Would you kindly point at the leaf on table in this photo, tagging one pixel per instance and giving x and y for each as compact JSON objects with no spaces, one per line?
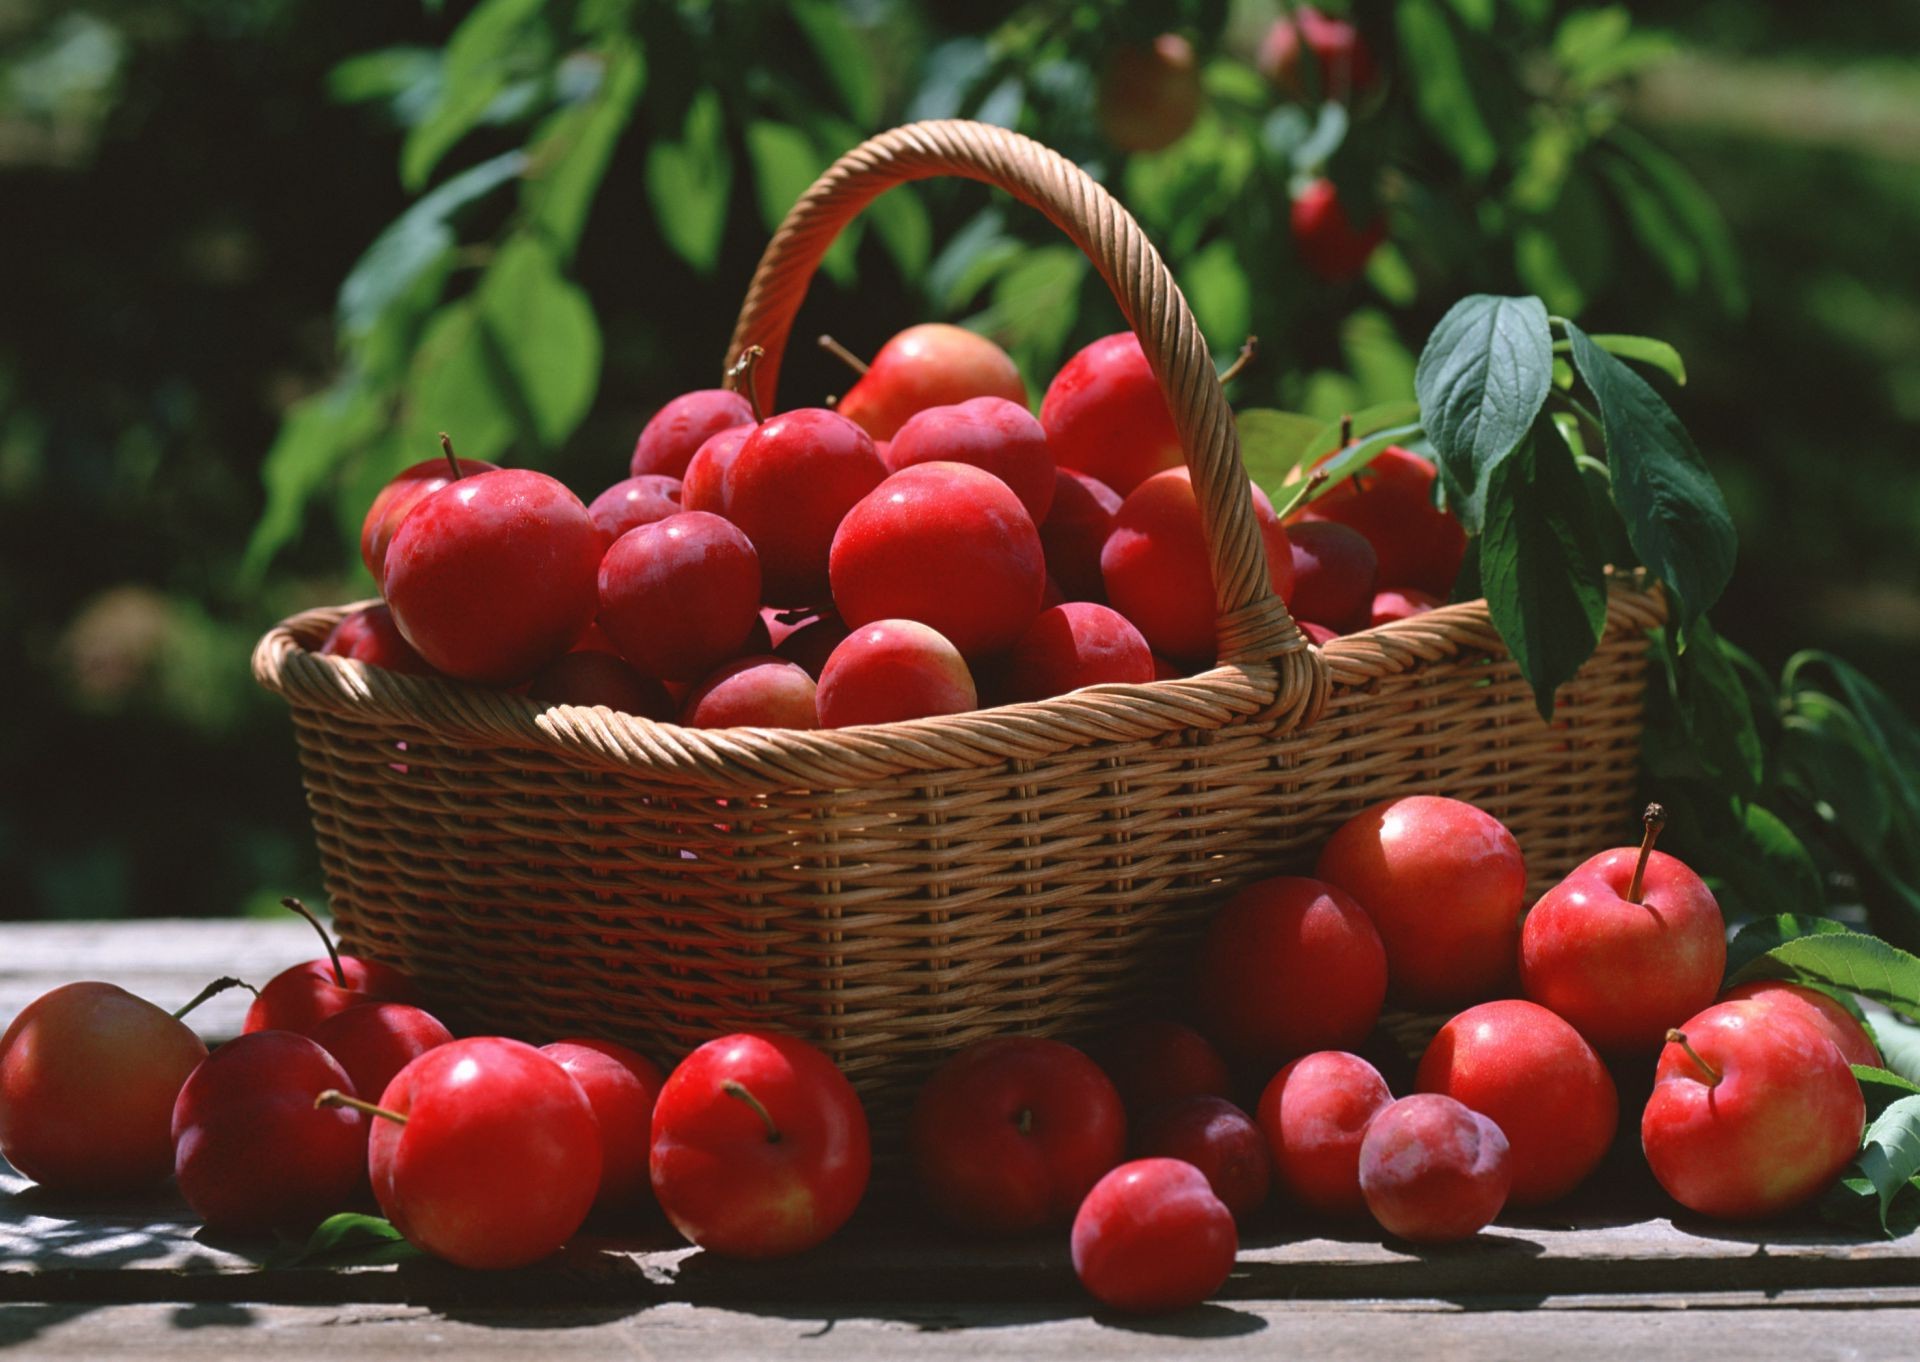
{"x":1890,"y":1155}
{"x":1481,"y":380}
{"x":349,"y":1239}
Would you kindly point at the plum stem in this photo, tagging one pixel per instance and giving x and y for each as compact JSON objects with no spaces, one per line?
{"x":1677,"y":1037}
{"x":220,"y":985}
{"x":1248,"y":349}
{"x":844,"y":355}
{"x":733,"y":1087}
{"x":744,"y":377}
{"x":446,"y":448}
{"x":1302,"y":494}
{"x":1655,"y":818}
{"x":333,"y":953}
{"x":333,"y":1097}
{"x":1346,"y":429}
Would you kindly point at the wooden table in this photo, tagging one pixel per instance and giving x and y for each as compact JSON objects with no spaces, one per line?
{"x":1596,"y":1280}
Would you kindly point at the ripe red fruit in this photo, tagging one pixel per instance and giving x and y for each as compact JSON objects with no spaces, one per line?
{"x":670,"y":438}
{"x":621,"y":1087}
{"x":1628,"y":945}
{"x":679,"y":596}
{"x":590,"y":677}
{"x":369,"y":635}
{"x":1220,"y":1140}
{"x":635,"y":501}
{"x":756,"y":692}
{"x":1105,"y":416}
{"x":1010,"y":1134}
{"x":1317,"y":634}
{"x":789,"y":487}
{"x":890,"y":670}
{"x":812,"y":643}
{"x":1074,"y":645}
{"x":251,"y":1150}
{"x":1402,"y":603}
{"x":931,"y":365}
{"x":485,"y":1153}
{"x":705,"y":486}
{"x":1075,"y":530}
{"x":1313,"y":57}
{"x":988,"y":433}
{"x":1326,"y":239}
{"x":1433,"y":1171}
{"x":1157,"y":571}
{"x":1152,"y":1237}
{"x":1390,"y":501}
{"x":392,"y":502}
{"x":1530,"y":1072}
{"x":1314,"y":1114}
{"x":1153,"y":1063}
{"x":1290,"y":965}
{"x":760,"y":1146}
{"x":1334,"y":568}
{"x":375,"y":1041}
{"x":88,"y":1078}
{"x":1754,"y":1111}
{"x":300,"y":997}
{"x":491,"y":577}
{"x":1444,"y":882}
{"x":948,"y":545}
{"x":1822,"y":1011}
{"x":1149,"y":93}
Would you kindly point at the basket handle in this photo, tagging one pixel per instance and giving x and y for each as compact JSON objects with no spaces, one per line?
{"x":1252,"y":623}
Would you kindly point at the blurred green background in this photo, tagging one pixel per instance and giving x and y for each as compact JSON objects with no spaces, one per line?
{"x":257,"y":251}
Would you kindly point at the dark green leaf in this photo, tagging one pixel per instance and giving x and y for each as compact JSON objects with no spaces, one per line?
{"x":688,"y":183}
{"x":1830,"y":758}
{"x":1676,"y":518}
{"x":317,"y":435}
{"x":971,"y":259}
{"x":1034,"y":305}
{"x":1481,"y":380}
{"x":1689,"y":206}
{"x":571,"y":150}
{"x":482,"y":57}
{"x":402,"y":75}
{"x":457,"y":385}
{"x":1854,"y":1204}
{"x":1443,"y":91}
{"x":1893,"y":734}
{"x":1774,"y":865}
{"x":952,"y":71}
{"x":1852,"y":961}
{"x":1882,"y":1088}
{"x":1645,"y":349}
{"x":901,"y":221}
{"x":1274,"y":443}
{"x":1712,"y":703}
{"x":1540,"y":566}
{"x":1899,"y":1043}
{"x":348,"y":1239}
{"x":1217,"y":290}
{"x":1764,"y":934}
{"x":543,"y":330}
{"x":1356,"y":456}
{"x":1890,"y":1155}
{"x":847,"y":59}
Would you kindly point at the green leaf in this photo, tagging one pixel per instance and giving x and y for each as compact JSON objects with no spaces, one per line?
{"x":1540,"y":566}
{"x":1367,"y":422}
{"x":1893,"y":734}
{"x":1774,"y":864}
{"x":542,"y":329}
{"x":1034,"y":305}
{"x":316,"y":436}
{"x":490,"y":45}
{"x":1764,"y":934}
{"x":901,"y":222}
{"x":1852,"y":961}
{"x":1356,"y":456}
{"x":1890,"y":1156}
{"x":1899,"y":1043}
{"x":842,"y":53}
{"x":688,"y":182}
{"x":1216,"y":287}
{"x":1829,"y":757}
{"x":570,"y":153}
{"x":1689,"y":206}
{"x":1676,"y":518}
{"x":1442,"y":89}
{"x":1711,"y":700}
{"x":457,"y":385}
{"x":1274,"y":443}
{"x":1645,"y":349}
{"x":1882,"y":1087}
{"x":785,"y":165}
{"x":1481,"y":380}
{"x":348,"y":1239}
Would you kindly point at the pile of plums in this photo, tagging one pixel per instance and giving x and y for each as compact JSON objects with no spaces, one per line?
{"x":927,"y":547}
{"x":1152,"y":1149}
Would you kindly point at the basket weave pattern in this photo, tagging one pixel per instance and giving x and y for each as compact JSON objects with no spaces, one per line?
{"x":897,"y":891}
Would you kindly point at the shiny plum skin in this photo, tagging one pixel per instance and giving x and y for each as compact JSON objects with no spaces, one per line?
{"x":1158,"y":572}
{"x":930,"y":365}
{"x":811,"y":643}
{"x":1418,"y":544}
{"x":88,"y":1078}
{"x":1290,"y":965}
{"x":1326,"y":238}
{"x":948,"y":545}
{"x":491,"y":577}
{"x":1445,"y":884}
{"x":591,"y":677}
{"x":635,"y":501}
{"x":392,"y":502}
{"x":753,"y":692}
{"x":1104,"y":415}
{"x":1315,"y":1113}
{"x":891,"y":670}
{"x":678,"y":597}
{"x":705,"y":486}
{"x":1220,"y":1140}
{"x":1400,"y":603}
{"x":790,"y":486}
{"x":1157,"y":1061}
{"x":1074,"y":645}
{"x":1152,"y":1237}
{"x":252,"y":1152}
{"x":1074,"y":532}
{"x":988,"y":433}
{"x":375,"y":1041}
{"x":621,"y":1086}
{"x":1824,"y":1012}
{"x":302,"y":996}
{"x":369,"y":635}
{"x":1334,"y":573}
{"x":1434,"y":1171}
{"x":675,"y":433}
{"x":1531,"y":1073}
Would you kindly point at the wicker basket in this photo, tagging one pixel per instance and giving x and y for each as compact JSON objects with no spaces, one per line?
{"x":894,"y":892}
